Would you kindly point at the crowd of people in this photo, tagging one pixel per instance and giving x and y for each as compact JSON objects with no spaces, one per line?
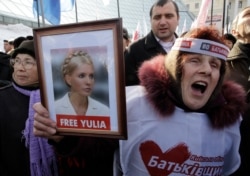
{"x":187,"y":102}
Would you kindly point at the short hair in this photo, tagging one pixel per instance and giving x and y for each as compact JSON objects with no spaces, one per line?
{"x":230,"y":37}
{"x":161,"y":3}
{"x":11,"y":41}
{"x":29,"y":37}
{"x":18,"y":41}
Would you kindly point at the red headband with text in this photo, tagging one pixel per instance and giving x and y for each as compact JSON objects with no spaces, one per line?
{"x":201,"y":46}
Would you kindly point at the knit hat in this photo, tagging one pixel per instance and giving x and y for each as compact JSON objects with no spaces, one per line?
{"x":26,"y":47}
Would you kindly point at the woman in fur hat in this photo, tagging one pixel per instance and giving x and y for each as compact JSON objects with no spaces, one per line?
{"x":21,"y":153}
{"x":183,"y":119}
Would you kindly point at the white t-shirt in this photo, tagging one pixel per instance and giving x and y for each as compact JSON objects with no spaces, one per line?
{"x":182,"y":144}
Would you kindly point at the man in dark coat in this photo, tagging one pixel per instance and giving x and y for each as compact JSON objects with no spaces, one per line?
{"x":239,"y":70}
{"x":164,"y":18}
{"x":5,"y":68}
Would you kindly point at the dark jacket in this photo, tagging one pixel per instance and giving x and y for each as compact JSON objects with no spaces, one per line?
{"x":5,"y":68}
{"x":4,"y":83}
{"x":141,"y":50}
{"x":14,"y":156}
{"x":85,"y":156}
{"x":238,"y":64}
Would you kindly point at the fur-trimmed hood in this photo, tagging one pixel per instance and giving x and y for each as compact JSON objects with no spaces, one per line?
{"x":226,"y":111}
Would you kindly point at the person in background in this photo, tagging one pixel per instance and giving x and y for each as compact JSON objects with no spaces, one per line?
{"x":11,"y":44}
{"x":21,"y":153}
{"x":5,"y":69}
{"x":126,"y":40}
{"x":79,"y":75}
{"x":184,"y":119}
{"x":18,"y":41}
{"x":164,"y":19}
{"x":29,"y":37}
{"x":238,"y":64}
{"x":230,"y":40}
{"x":7,"y":47}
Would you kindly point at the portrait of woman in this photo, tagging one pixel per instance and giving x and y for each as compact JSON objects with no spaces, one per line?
{"x":79,"y":75}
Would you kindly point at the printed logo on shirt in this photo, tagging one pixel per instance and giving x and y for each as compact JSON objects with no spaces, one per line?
{"x":160,"y":163}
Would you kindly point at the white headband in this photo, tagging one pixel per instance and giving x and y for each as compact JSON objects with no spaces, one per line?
{"x":201,"y":46}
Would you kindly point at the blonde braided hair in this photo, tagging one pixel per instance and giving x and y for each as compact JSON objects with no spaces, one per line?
{"x":72,"y":61}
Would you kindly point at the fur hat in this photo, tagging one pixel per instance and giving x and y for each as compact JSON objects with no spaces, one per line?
{"x":26,"y":47}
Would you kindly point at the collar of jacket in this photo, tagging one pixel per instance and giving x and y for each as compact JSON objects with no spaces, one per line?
{"x":229,"y":104}
{"x":239,"y":51}
{"x":151,"y":43}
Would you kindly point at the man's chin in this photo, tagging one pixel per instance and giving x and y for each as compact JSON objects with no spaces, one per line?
{"x":166,"y":38}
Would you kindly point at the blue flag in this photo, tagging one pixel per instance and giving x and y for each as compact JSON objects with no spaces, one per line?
{"x":51,"y":10}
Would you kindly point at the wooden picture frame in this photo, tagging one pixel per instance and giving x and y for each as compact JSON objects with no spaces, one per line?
{"x":102,"y":41}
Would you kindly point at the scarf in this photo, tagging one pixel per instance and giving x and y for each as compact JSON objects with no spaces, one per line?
{"x":42,"y":156}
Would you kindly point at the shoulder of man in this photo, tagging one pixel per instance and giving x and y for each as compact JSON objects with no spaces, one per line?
{"x":147,"y":43}
{"x":148,"y":39}
{"x":136,"y":44}
{"x":236,"y":53}
{"x":4,"y":55}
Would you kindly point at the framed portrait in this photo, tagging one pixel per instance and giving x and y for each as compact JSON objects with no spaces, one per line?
{"x":81,"y":74}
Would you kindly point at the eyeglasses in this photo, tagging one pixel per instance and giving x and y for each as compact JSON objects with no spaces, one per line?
{"x":27,"y":64}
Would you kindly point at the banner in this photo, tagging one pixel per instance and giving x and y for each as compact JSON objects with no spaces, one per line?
{"x":202,"y":16}
{"x":137,"y":32}
{"x":52,"y":9}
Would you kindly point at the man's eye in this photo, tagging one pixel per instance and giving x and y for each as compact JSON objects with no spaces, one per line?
{"x":157,"y":17}
{"x":169,"y":16}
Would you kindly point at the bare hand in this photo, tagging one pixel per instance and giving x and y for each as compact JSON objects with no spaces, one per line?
{"x":43,"y":125}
